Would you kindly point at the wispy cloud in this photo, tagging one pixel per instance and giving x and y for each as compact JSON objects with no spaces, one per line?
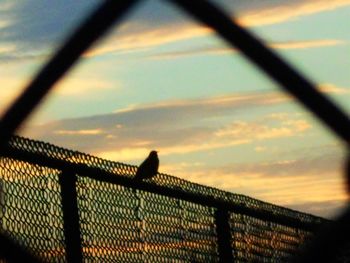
{"x":72,"y":88}
{"x":307,"y":44}
{"x":224,"y":50}
{"x":6,"y":5}
{"x":183,"y":125}
{"x":7,"y":48}
{"x":175,"y":127}
{"x":177,"y":30}
{"x":36,"y":27}
{"x":145,"y":40}
{"x":333,"y":89}
{"x":327,"y":208}
{"x":260,"y":131}
{"x":11,"y":88}
{"x":34,"y":38}
{"x":285,"y":11}
{"x":312,"y":183}
{"x":79,"y":132}
{"x":77,"y":86}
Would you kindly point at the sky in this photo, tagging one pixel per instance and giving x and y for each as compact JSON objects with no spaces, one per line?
{"x":162,"y":81}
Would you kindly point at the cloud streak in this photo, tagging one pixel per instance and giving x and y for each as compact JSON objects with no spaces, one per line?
{"x":12,"y":88}
{"x":286,"y":11}
{"x":173,"y":127}
{"x":311,"y":183}
{"x":77,"y":86}
{"x":178,"y":126}
{"x":177,"y":30}
{"x":22,"y":24}
{"x":224,"y":50}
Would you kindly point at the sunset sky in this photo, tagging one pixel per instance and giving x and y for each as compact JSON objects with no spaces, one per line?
{"x":162,"y":81}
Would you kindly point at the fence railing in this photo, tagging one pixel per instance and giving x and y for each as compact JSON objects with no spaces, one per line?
{"x":30,"y":165}
{"x":68,"y":206}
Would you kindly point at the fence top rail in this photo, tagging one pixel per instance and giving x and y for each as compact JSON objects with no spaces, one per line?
{"x":85,"y":165}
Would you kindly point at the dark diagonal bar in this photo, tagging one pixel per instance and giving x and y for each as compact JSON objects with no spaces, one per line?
{"x":94,"y":27}
{"x":270,"y":63}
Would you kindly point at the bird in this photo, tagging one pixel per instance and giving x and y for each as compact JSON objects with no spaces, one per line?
{"x":149,"y":167}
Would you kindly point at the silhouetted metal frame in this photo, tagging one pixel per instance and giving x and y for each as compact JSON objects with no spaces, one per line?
{"x":111,"y":11}
{"x":104,"y":176}
{"x":70,"y":212}
{"x":71,"y":225}
{"x":223,"y":230}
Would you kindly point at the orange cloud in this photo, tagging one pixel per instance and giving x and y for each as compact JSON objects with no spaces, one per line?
{"x":146,"y":38}
{"x":231,"y":100}
{"x":140,"y":35}
{"x":237,"y":133}
{"x":125,"y":154}
{"x":80,"y":132}
{"x":307,"y":44}
{"x":286,"y":12}
{"x":11,"y":88}
{"x":139,"y":153}
{"x":83,"y":85}
{"x":129,"y":134}
{"x":260,"y":131}
{"x":6,"y":47}
{"x":286,"y":182}
{"x":333,"y":89}
{"x":225,"y":50}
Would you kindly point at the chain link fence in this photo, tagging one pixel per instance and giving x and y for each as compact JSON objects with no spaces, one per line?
{"x":119,"y":223}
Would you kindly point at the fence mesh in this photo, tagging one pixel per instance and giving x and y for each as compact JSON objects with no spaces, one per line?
{"x":31,"y":207}
{"x":256,"y":240}
{"x":125,"y":224}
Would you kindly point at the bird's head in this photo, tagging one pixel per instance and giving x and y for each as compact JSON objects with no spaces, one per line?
{"x":153,"y":153}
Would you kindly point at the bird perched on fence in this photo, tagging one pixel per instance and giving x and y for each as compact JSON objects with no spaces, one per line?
{"x":149,"y":167}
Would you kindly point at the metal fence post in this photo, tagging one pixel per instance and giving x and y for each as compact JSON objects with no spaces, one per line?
{"x":70,"y":216}
{"x":223,"y":230}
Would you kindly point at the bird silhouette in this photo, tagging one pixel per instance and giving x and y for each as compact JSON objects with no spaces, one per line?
{"x":149,"y":167}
